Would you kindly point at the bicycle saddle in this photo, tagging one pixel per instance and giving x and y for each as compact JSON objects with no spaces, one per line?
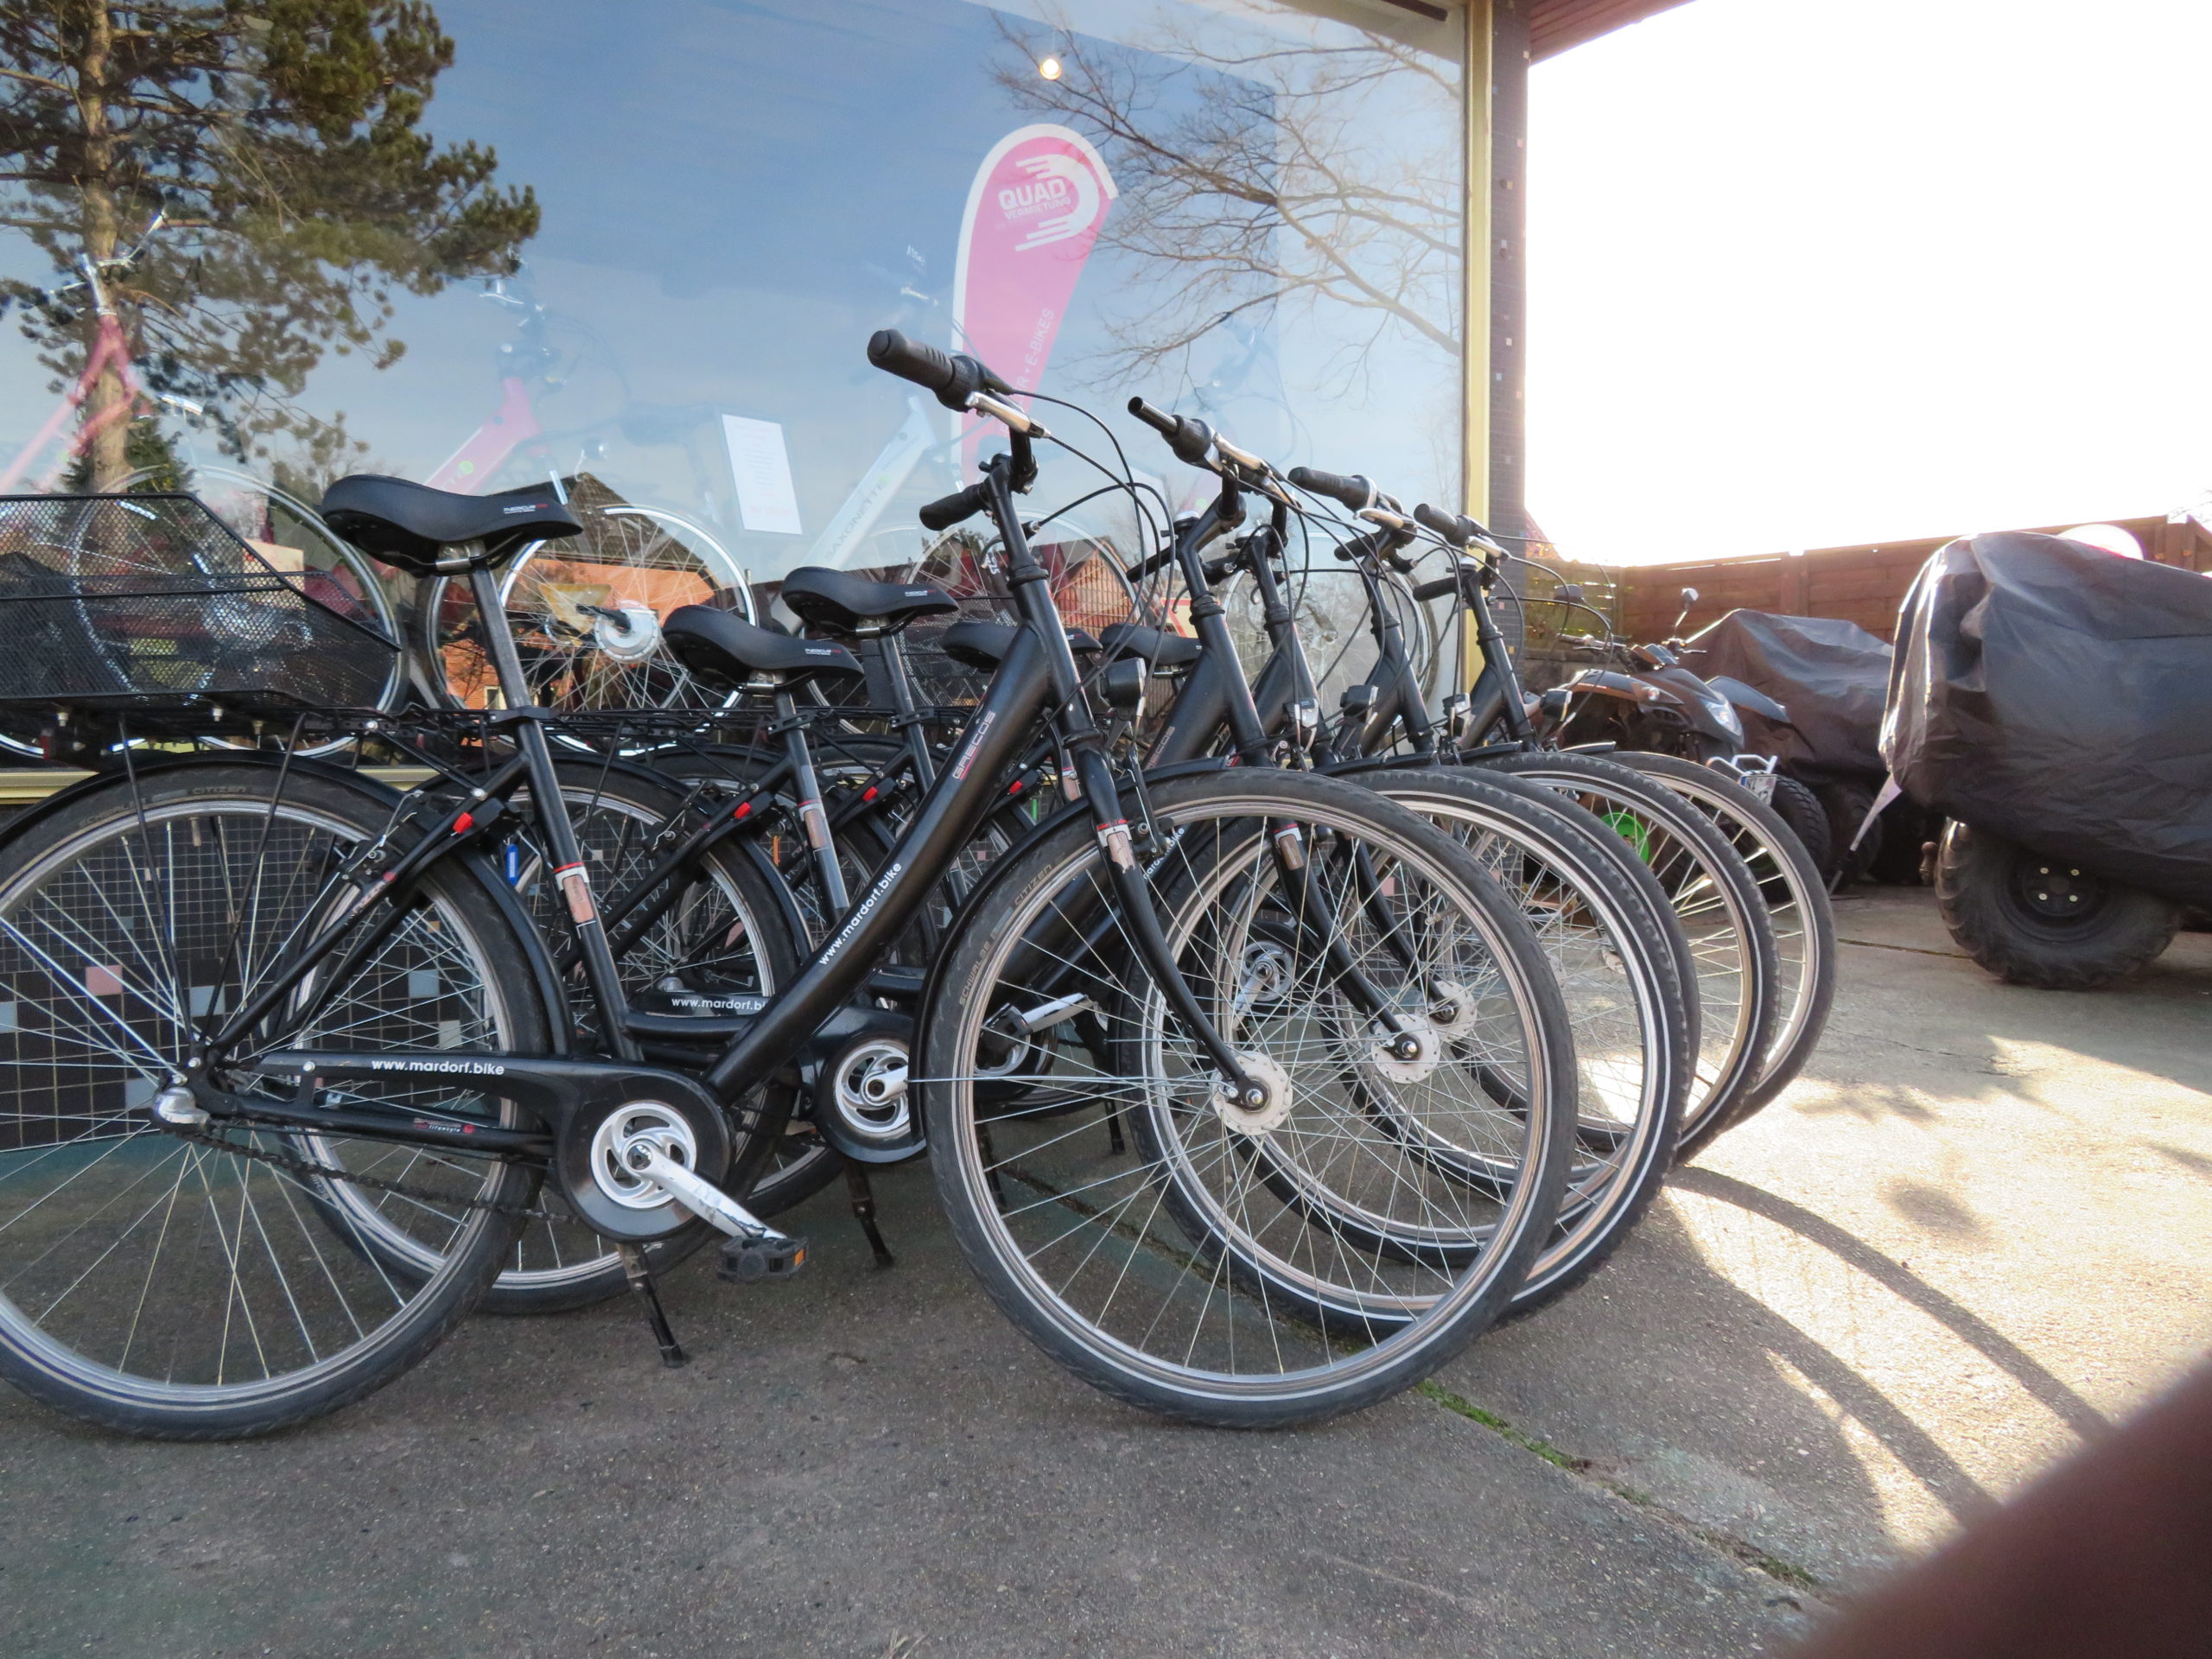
{"x":982,"y":646}
{"x":412,"y":525}
{"x":845,"y":603}
{"x":724,"y":649}
{"x":1159,"y":648}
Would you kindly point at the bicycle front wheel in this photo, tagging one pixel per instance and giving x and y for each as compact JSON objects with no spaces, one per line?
{"x":1198,"y":1265}
{"x":1716,"y":901}
{"x":1797,"y":909}
{"x":1623,"y":969}
{"x":216,"y":1287}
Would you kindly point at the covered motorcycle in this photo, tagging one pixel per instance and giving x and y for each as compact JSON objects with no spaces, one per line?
{"x":1833,"y":676}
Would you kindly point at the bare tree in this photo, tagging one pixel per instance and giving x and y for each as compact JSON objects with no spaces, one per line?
{"x":1262,"y":180}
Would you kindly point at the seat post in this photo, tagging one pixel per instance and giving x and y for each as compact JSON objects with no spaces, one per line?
{"x":499,"y":638}
{"x":893,"y":647}
{"x":814,"y":816}
{"x":562,"y":851}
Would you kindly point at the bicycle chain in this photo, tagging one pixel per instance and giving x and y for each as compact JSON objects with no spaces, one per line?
{"x":291,"y":1165}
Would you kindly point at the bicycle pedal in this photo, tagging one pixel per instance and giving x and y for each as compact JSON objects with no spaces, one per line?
{"x":753,"y":1261}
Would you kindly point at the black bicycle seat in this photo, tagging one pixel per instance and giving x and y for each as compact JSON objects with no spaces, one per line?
{"x":983,"y":645}
{"x":1161,"y":649}
{"x":845,"y":603}
{"x":724,"y":649}
{"x":413,"y":526}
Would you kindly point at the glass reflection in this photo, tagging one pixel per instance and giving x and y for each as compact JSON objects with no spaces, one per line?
{"x":635,"y":251}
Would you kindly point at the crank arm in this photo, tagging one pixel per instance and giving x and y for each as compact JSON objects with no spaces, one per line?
{"x":1047,"y":1014}
{"x":700,"y":1196}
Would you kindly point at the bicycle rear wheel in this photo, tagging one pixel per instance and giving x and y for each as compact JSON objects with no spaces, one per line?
{"x":586,"y":615}
{"x":1167,"y":1267}
{"x":172,"y":1288}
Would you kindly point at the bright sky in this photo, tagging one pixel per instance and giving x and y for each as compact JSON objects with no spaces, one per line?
{"x":1812,"y":272}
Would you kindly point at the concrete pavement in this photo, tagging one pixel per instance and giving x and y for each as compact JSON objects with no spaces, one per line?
{"x":1977,"y":1229}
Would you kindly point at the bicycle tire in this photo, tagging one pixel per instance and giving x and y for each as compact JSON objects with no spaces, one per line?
{"x":1590,"y":901}
{"x":1415,"y":1323}
{"x":1797,"y":908}
{"x":1718,"y":903}
{"x":172,"y":891}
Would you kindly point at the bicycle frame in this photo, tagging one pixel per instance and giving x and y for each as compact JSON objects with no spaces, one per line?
{"x":1038,"y":680}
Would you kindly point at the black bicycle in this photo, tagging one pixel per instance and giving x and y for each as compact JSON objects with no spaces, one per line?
{"x":238,"y":985}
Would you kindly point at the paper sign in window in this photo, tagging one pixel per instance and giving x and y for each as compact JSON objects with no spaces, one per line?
{"x":762,"y":468}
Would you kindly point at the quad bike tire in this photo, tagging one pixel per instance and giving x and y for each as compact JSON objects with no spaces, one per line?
{"x":2044,"y":922}
{"x":1799,"y":808}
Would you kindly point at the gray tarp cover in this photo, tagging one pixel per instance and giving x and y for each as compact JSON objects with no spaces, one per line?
{"x":2062,"y":697}
{"x":1831,"y":676}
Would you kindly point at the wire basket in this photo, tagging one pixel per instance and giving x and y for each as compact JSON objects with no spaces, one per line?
{"x":150,"y":606}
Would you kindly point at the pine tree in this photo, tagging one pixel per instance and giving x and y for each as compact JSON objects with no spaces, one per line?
{"x":284,"y":142}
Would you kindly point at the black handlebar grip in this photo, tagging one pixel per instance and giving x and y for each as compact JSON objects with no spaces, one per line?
{"x":1437,"y":589}
{"x":1191,"y":440}
{"x":947,"y":510}
{"x":1454,"y":527}
{"x":1355,"y":492}
{"x":910,"y":359}
{"x":952,"y":376}
{"x":1450,"y":525}
{"x":1381,"y":544}
{"x":1359,"y":547}
{"x":1159,"y":561}
{"x":1158,"y":419}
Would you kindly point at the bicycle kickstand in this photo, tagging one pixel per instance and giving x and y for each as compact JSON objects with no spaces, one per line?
{"x":641,"y":1282}
{"x":863,"y":1196}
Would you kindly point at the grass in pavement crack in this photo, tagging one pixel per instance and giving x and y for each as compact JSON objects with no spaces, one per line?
{"x":1750,"y":1554}
{"x":1497,"y":1425}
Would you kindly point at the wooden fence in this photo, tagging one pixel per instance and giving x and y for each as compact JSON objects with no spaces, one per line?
{"x":1860,"y":584}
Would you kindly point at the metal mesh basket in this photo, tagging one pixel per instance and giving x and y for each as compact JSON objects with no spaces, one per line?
{"x":150,"y":604}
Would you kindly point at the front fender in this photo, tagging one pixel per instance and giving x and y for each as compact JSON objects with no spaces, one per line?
{"x":1749,"y":698}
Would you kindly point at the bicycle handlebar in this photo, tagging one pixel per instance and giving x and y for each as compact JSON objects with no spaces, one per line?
{"x":1438,"y":588}
{"x":954,"y":377}
{"x":947,"y":510}
{"x":1456,"y":528}
{"x":1450,"y":525}
{"x":1356,"y":491}
{"x":1191,"y":440}
{"x":1382,"y":544}
{"x":1159,"y":561}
